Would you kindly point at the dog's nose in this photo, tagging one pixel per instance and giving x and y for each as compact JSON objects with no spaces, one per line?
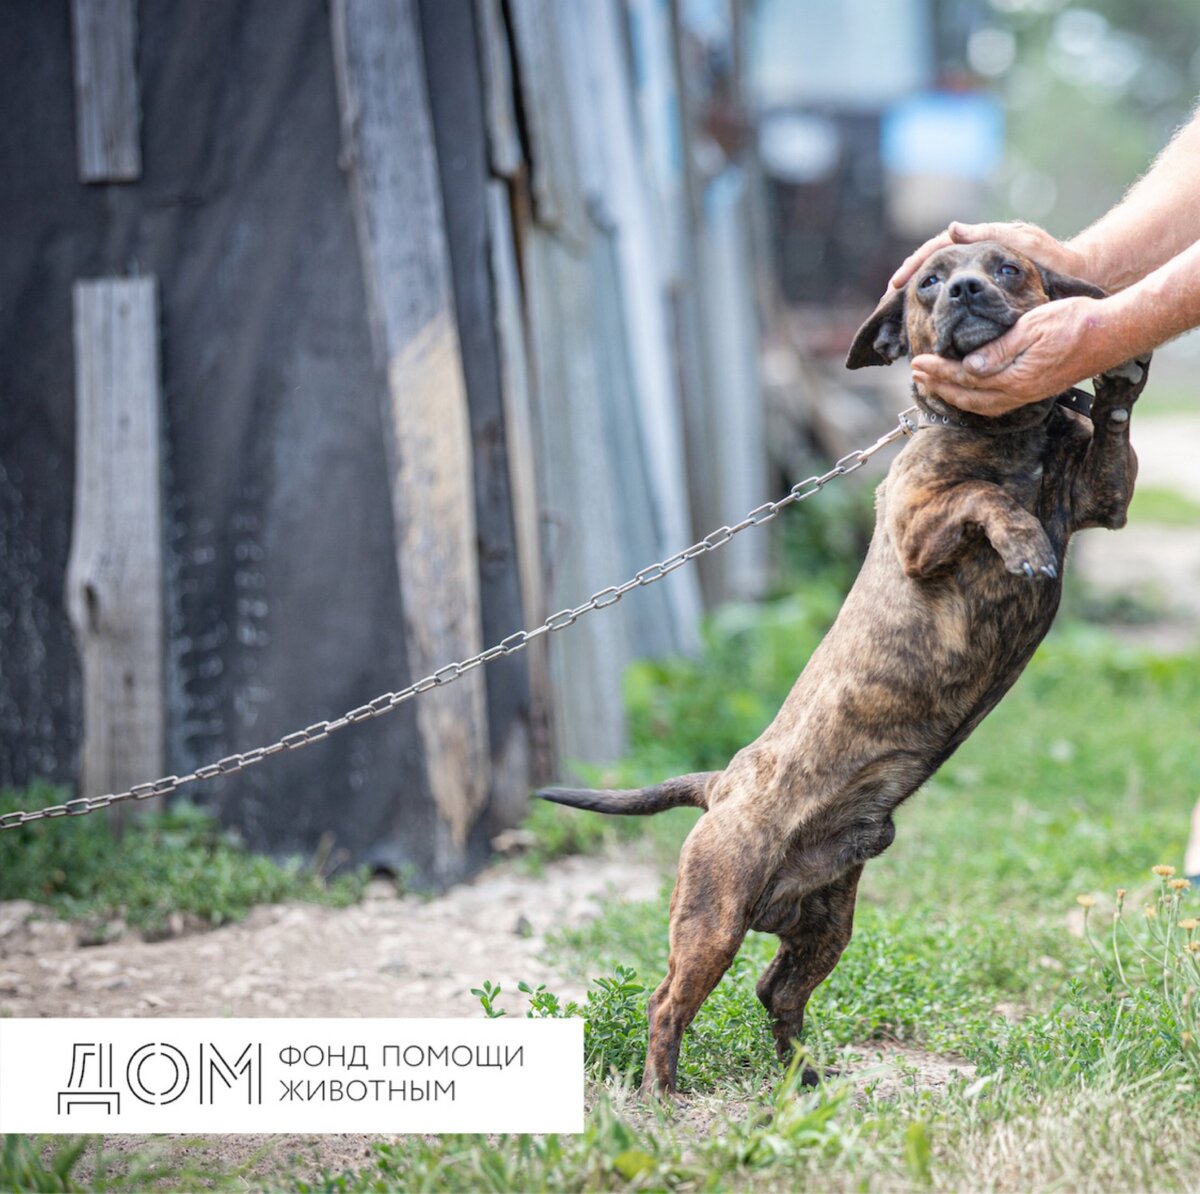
{"x":965,"y":286}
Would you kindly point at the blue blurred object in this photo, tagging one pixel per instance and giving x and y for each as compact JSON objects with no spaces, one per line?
{"x":944,"y":133}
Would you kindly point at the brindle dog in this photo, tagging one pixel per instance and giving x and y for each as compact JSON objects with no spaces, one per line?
{"x":960,"y":584}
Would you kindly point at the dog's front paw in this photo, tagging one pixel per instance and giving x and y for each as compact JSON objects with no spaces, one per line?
{"x":1030,"y":555}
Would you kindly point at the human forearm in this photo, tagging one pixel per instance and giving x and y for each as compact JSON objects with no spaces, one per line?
{"x":1155,"y":309}
{"x":1157,"y":219}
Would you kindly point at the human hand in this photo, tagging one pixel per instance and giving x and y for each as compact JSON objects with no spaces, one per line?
{"x":1036,"y":243}
{"x":1048,"y":350}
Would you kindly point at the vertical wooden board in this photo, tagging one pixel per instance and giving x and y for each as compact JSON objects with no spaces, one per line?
{"x":734,"y":421}
{"x":651,"y":615}
{"x":389,"y":143}
{"x":546,"y":105}
{"x":114,"y":575}
{"x":504,"y":137}
{"x":107,"y":111}
{"x":514,"y":385}
{"x":450,"y":45}
{"x":657,"y":99}
{"x":598,"y":69}
{"x":583,"y":551}
{"x":519,"y":441}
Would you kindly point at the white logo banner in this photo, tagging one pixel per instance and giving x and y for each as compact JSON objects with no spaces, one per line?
{"x":386,"y":1076}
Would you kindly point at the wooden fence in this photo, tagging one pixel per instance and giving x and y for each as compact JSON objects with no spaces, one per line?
{"x":398,"y":324}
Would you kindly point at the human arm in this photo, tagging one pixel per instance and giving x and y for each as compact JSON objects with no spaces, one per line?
{"x":1158,"y":218}
{"x":1058,"y":344}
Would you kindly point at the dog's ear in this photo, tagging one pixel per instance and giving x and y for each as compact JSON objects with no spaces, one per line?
{"x":1060,"y":286}
{"x":881,"y":340}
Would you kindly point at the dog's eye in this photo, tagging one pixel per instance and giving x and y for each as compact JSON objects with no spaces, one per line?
{"x":1008,"y":270}
{"x":929,"y":280}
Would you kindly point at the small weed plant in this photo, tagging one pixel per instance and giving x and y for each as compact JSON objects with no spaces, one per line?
{"x":1151,"y":954}
{"x":178,"y":861}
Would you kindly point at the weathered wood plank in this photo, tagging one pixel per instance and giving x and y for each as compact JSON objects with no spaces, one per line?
{"x":547,"y":97}
{"x":519,"y":441}
{"x":518,"y":425}
{"x":107,"y":111}
{"x":732,"y":424}
{"x":597,"y":67}
{"x":114,"y":575}
{"x":456,"y":96}
{"x":390,"y":150}
{"x":579,"y":495}
{"x":504,"y":137}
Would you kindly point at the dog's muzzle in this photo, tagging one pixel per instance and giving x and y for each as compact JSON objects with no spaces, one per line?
{"x":969,"y":313}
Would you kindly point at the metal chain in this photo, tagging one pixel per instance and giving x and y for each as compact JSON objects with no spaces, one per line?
{"x":386,"y":702}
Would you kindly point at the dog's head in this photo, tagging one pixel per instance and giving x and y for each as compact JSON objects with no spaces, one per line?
{"x":962,"y":297}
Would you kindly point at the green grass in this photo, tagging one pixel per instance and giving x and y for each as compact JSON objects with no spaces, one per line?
{"x":179,"y":862}
{"x":1169,"y":395}
{"x":1164,"y":507}
{"x":967,"y":945}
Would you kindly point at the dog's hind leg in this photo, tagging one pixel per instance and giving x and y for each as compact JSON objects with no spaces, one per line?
{"x":808,"y":952}
{"x":720,"y":875}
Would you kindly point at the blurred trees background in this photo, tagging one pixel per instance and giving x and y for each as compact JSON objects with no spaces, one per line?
{"x":1091,"y":94}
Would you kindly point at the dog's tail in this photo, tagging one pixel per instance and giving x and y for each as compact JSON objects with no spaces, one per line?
{"x":683,"y":791}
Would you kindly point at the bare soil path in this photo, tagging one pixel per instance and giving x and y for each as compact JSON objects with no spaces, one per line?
{"x":388,"y":956}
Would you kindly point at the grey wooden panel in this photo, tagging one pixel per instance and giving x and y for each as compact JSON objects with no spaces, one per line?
{"x":733,"y":420}
{"x":604,"y":112}
{"x":583,"y":551}
{"x":504,"y":137}
{"x":518,"y":417}
{"x":115,"y":571}
{"x":521,"y":450}
{"x":650,"y":613}
{"x":389,"y":144}
{"x":107,"y":114}
{"x":546,"y":97}
{"x":456,"y":96}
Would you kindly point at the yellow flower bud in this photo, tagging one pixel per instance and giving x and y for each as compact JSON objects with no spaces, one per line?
{"x":1163,"y":871}
{"x":1189,"y":923}
{"x":1085,"y":901}
{"x":1179,"y":885}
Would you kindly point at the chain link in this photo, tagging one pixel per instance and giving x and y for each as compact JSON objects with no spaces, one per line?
{"x":386,"y":702}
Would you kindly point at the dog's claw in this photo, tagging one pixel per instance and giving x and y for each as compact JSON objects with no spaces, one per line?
{"x":1027,"y":568}
{"x":1049,"y":570}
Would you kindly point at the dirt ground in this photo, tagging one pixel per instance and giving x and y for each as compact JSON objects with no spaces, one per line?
{"x":404,"y":956}
{"x":389,"y":956}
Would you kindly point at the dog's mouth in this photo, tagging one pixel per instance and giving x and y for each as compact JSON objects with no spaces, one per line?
{"x":970,"y":331}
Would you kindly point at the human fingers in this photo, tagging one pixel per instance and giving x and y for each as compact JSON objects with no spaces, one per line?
{"x":996,"y":355}
{"x":953,"y":383}
{"x":1034,"y":242}
{"x":912,"y":262}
